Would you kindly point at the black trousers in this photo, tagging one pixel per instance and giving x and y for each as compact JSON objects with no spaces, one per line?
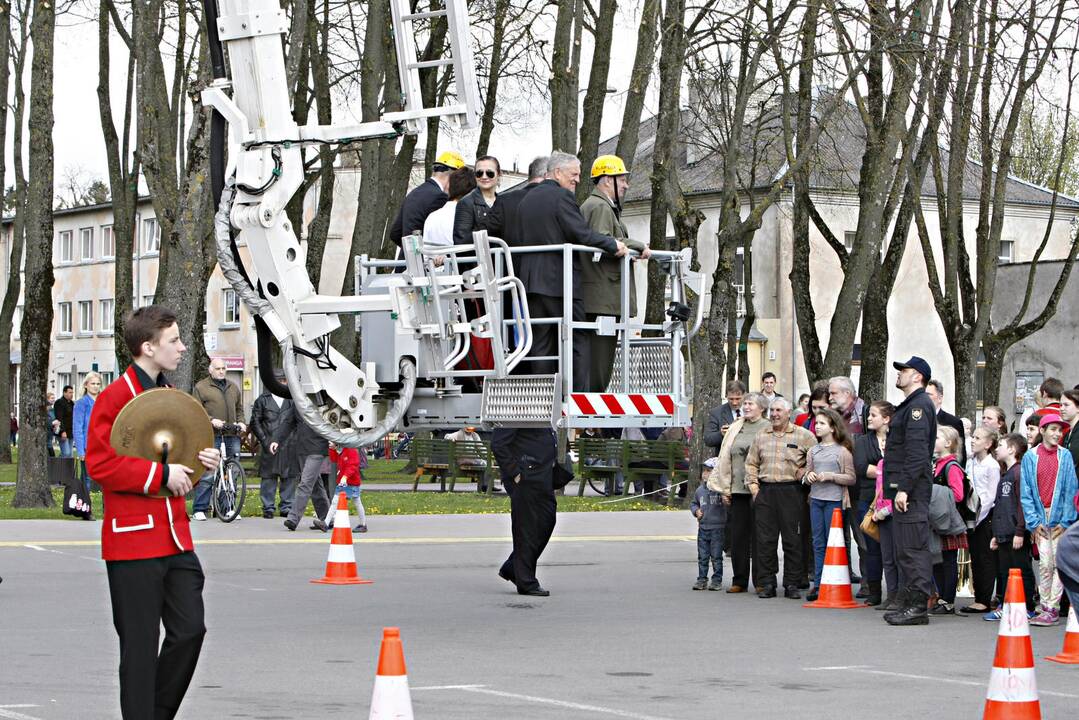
{"x":741,"y":529}
{"x":983,"y":562}
{"x":778,"y":513}
{"x":805,"y":532}
{"x":911,"y":537}
{"x":145,"y":595}
{"x":545,"y":340}
{"x":529,"y":453}
{"x":1008,"y":558}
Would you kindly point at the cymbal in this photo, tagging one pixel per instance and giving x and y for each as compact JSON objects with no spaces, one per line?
{"x":163,"y":416}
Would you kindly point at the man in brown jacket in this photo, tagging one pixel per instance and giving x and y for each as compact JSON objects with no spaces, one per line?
{"x":223,"y":402}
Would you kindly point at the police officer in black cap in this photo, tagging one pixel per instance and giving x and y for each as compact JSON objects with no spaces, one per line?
{"x":526,"y":459}
{"x":908,"y":481}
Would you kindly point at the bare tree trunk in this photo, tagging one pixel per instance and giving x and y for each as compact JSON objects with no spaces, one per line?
{"x":643,"y":60}
{"x":11,"y":293}
{"x":563,"y":82}
{"x":32,"y":485}
{"x":751,"y":310}
{"x":487,"y":120}
{"x":596,"y":94}
{"x":318,"y":37}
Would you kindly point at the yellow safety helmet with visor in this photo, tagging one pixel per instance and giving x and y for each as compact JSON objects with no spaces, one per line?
{"x":608,"y":165}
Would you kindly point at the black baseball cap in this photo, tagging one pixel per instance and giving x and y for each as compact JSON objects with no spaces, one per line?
{"x":915,"y":363}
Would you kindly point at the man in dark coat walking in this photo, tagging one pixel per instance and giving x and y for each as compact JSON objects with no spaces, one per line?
{"x":267,"y":415}
{"x":307,"y":450}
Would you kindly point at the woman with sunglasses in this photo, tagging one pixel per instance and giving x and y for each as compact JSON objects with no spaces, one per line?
{"x":473,"y":209}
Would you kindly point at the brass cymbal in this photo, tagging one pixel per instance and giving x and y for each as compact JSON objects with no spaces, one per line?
{"x":159,"y":416}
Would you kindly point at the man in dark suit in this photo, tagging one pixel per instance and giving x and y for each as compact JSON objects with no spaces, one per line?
{"x":549,"y":215}
{"x":426,"y":197}
{"x":720,"y":418}
{"x":267,"y":414}
{"x":503,"y":221}
{"x":935,"y":391}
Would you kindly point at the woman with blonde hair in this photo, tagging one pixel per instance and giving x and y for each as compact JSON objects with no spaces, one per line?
{"x":91,"y":388}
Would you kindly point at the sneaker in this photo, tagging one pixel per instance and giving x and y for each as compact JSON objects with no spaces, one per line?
{"x":942,"y":608}
{"x":1046,"y":618}
{"x":716,"y":584}
{"x":701,"y":584}
{"x":360,"y":529}
{"x":993,"y":615}
{"x":267,"y":514}
{"x":318,"y":524}
{"x":200,"y":516}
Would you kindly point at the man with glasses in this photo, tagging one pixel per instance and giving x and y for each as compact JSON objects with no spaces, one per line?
{"x":601,"y":280}
{"x":223,"y":402}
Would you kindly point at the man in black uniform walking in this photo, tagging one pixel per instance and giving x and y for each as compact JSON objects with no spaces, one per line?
{"x":908,"y":478}
{"x":526,"y":458}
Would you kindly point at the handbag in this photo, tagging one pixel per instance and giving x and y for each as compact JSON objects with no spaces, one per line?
{"x":869,"y":525}
{"x":76,"y":499}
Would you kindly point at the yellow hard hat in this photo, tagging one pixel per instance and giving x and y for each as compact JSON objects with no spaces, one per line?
{"x":608,"y":165}
{"x":450,"y":159}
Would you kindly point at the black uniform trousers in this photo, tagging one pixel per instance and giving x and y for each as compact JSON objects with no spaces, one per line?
{"x":742,"y":533}
{"x":911,"y":536}
{"x":545,"y":340}
{"x":778,"y":513}
{"x":983,"y":562}
{"x":146,"y":594}
{"x":529,"y":453}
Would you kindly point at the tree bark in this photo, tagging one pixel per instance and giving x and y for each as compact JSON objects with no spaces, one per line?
{"x":11,"y":293}
{"x":318,"y":37}
{"x":487,"y":120}
{"x":563,"y":82}
{"x":596,"y":94}
{"x":32,"y":485}
{"x":643,"y":60}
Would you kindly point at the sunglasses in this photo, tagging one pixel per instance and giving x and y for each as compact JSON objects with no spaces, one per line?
{"x":486,"y":173}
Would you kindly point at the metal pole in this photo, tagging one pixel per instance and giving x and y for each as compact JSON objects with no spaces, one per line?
{"x":567,"y":321}
{"x":627,"y":268}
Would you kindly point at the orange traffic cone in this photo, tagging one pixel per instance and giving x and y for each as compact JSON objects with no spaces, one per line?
{"x":1070,"y":654}
{"x":391,"y":699}
{"x":341,"y":564}
{"x":834,"y":591}
{"x":1013,"y":693}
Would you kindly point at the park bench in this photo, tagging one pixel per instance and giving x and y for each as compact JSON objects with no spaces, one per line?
{"x":644,"y":458}
{"x":445,"y":459}
{"x":599,"y":459}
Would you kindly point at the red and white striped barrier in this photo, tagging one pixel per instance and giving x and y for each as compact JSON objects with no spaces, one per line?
{"x":620,"y":405}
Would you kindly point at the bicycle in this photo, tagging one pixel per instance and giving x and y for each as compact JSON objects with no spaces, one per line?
{"x":229,"y":487}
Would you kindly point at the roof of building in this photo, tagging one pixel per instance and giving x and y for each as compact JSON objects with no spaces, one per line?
{"x":835,"y":166}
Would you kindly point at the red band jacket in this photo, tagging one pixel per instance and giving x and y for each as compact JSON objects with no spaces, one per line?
{"x":138,"y":524}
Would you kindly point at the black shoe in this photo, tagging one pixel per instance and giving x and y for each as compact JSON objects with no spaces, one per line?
{"x":535,"y":592}
{"x":863,"y":592}
{"x":318,"y":524}
{"x":899,"y":604}
{"x":888,"y":603}
{"x":289,"y":524}
{"x":872,"y":597}
{"x":813,"y":594}
{"x":507,"y":577}
{"x":360,"y":529}
{"x":915,"y":613}
{"x":767,"y":592}
{"x":791,"y":593}
{"x":942,"y":608}
{"x":267,"y":514}
{"x":855,"y":579}
{"x":804,"y":585}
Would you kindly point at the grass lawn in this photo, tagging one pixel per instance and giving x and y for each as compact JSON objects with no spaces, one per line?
{"x":375,"y":503}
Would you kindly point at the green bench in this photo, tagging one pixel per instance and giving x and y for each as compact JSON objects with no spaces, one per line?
{"x":655,"y":458}
{"x":604,"y":458}
{"x":445,"y":459}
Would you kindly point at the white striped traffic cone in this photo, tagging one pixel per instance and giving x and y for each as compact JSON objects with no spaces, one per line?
{"x":1013,"y":692}
{"x":834,"y":591}
{"x":341,"y":564}
{"x":1070,"y":654}
{"x":391,"y":699}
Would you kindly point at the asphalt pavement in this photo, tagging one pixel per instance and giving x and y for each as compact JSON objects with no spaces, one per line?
{"x":622,"y":635}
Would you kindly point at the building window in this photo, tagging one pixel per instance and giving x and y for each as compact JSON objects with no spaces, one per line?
{"x":86,"y":316}
{"x":16,"y":322}
{"x":67,"y":249}
{"x":1007,"y":251}
{"x":65,"y":318}
{"x":856,"y":354}
{"x":107,"y":376}
{"x":231,"y":304}
{"x":147,"y":300}
{"x":86,"y":244}
{"x":151,"y":236}
{"x":848,"y":240}
{"x":107,"y":311}
{"x":108,"y":243}
{"x":62,"y":381}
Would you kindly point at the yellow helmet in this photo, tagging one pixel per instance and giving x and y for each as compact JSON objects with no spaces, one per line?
{"x":451,"y":159}
{"x":608,"y":165}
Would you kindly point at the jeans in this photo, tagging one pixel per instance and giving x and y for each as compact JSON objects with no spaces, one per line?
{"x":202,"y":492}
{"x":352,"y":492}
{"x":65,"y":447}
{"x":874,"y":562}
{"x":710,"y":547}
{"x":820,"y":517}
{"x":268,"y":489}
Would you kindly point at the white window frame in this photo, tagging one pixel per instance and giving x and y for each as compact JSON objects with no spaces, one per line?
{"x":849,"y":238}
{"x":66,"y":242}
{"x":107,"y":376}
{"x":63,"y":316}
{"x":108,"y":309}
{"x":16,"y":322}
{"x":230,"y":308}
{"x":86,"y":236}
{"x":151,"y":241}
{"x":62,"y":381}
{"x":108,"y":243}
{"x":1010,"y":257}
{"x":147,"y":300}
{"x":86,"y":317}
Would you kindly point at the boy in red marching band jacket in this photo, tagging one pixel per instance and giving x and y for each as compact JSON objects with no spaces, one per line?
{"x":154,"y":575}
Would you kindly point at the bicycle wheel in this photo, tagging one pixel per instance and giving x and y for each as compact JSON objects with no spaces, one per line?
{"x":599,"y":485}
{"x":229,"y":491}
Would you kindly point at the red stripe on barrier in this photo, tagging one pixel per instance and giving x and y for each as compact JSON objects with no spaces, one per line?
{"x":667,"y":403}
{"x":582,"y":402}
{"x":612,"y":404}
{"x":641,"y":404}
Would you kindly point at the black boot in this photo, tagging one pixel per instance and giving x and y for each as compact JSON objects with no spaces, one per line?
{"x":916,"y":612}
{"x":873,"y":596}
{"x":902,"y":599}
{"x":889,"y":602}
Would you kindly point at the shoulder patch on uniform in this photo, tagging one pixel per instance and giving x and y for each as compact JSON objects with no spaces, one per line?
{"x":916,"y":414}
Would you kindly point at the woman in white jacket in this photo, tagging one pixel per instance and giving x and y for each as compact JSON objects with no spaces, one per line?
{"x":984,"y":473}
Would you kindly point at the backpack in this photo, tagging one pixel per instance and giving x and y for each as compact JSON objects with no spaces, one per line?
{"x":966,"y":512}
